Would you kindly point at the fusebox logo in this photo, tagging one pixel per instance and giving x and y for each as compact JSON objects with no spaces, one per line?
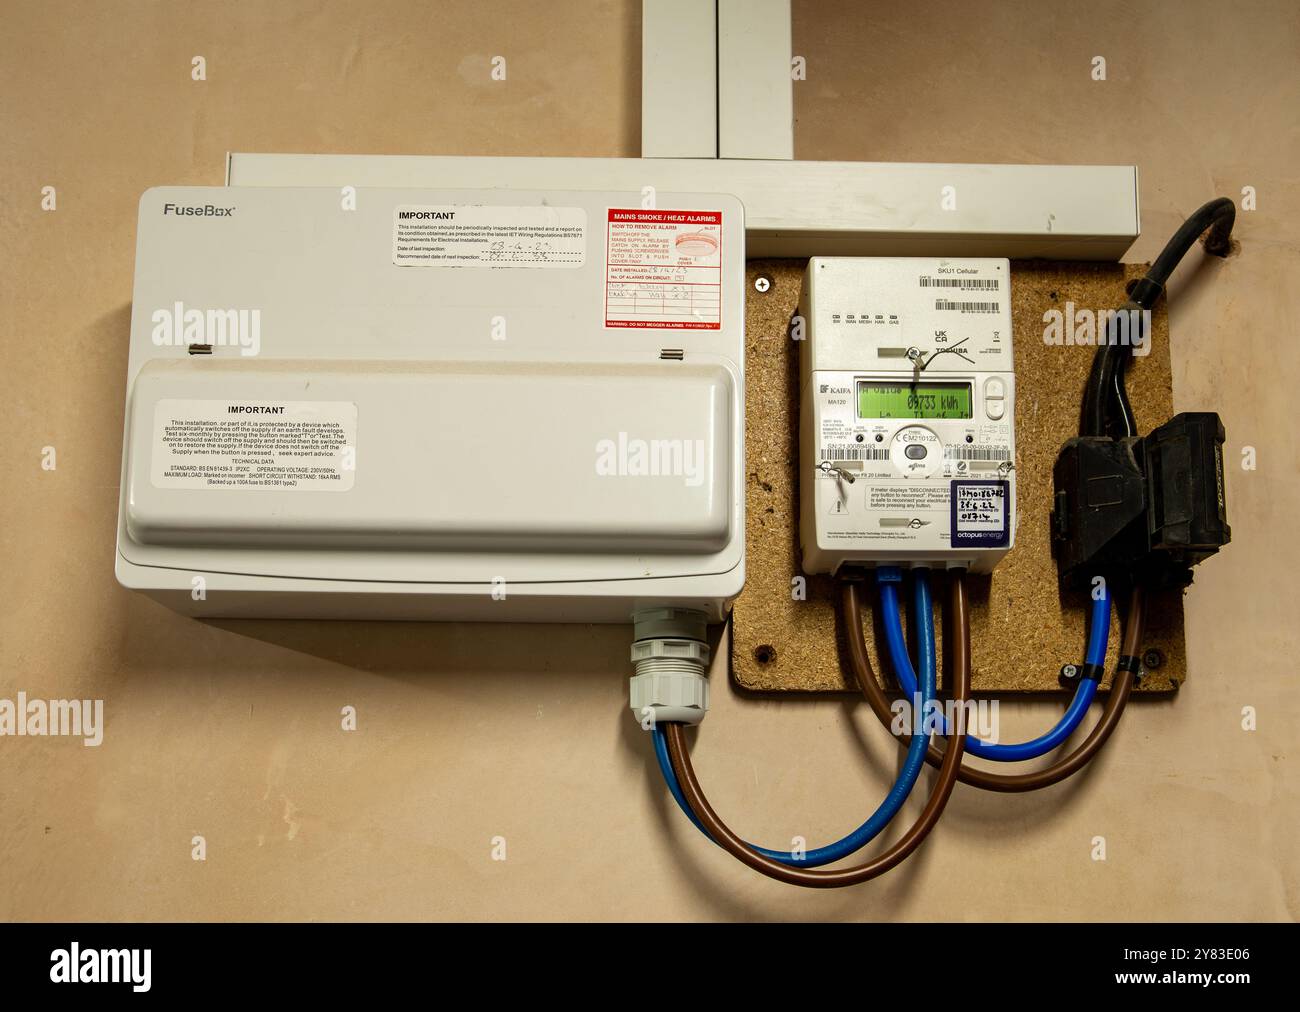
{"x":195,"y":211}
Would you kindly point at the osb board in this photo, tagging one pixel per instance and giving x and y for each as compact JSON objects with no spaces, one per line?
{"x":1023,"y":628}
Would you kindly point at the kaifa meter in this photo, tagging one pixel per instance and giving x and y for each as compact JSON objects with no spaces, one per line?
{"x":907,"y":434}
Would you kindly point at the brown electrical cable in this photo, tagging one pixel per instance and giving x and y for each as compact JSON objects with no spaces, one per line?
{"x":947,"y":779}
{"x":1002,"y":782}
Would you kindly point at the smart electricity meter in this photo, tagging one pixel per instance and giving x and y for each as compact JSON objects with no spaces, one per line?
{"x":907,"y":433}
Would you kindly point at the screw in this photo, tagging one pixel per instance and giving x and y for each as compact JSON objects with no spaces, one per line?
{"x":1069,"y":675}
{"x":1152,"y":659}
{"x":762,"y":283}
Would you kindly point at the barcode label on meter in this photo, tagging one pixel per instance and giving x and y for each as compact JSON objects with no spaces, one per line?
{"x":977,"y":451}
{"x":968,"y":284}
{"x":843,"y":452}
{"x":968,"y":307}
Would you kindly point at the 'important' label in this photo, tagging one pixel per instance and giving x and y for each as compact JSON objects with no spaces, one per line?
{"x":479,"y":235}
{"x":277,"y":445}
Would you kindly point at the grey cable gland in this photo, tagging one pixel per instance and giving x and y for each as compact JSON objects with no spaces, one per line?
{"x":670,"y":682}
{"x":670,"y":623}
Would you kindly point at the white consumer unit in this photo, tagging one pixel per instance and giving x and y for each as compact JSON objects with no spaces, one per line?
{"x":907,"y":433}
{"x":420,"y":404}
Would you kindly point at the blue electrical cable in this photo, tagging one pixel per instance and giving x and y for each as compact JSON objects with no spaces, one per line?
{"x":912,"y":766}
{"x":670,"y":777}
{"x":1098,"y":635}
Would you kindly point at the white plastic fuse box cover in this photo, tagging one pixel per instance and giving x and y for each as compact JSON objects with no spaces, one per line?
{"x":510,"y":405}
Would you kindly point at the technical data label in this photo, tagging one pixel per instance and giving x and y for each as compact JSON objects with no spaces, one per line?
{"x":979,"y":514}
{"x":481,"y":235}
{"x":664,"y":269}
{"x":280,"y":445}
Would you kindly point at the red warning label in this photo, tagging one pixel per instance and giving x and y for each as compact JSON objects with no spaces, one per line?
{"x":663,"y":269}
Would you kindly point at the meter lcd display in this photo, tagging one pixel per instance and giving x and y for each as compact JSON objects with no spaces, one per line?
{"x":885,"y":399}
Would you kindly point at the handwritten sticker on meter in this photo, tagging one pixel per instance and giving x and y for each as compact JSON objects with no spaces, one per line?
{"x":980,"y":514}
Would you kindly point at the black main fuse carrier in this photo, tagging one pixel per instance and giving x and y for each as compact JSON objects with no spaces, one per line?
{"x":1144,"y":507}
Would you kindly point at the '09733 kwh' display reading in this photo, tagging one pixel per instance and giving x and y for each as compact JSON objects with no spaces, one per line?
{"x":913,"y":400}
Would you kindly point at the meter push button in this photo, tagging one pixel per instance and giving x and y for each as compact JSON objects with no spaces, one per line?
{"x":995,"y":392}
{"x":915,"y":451}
